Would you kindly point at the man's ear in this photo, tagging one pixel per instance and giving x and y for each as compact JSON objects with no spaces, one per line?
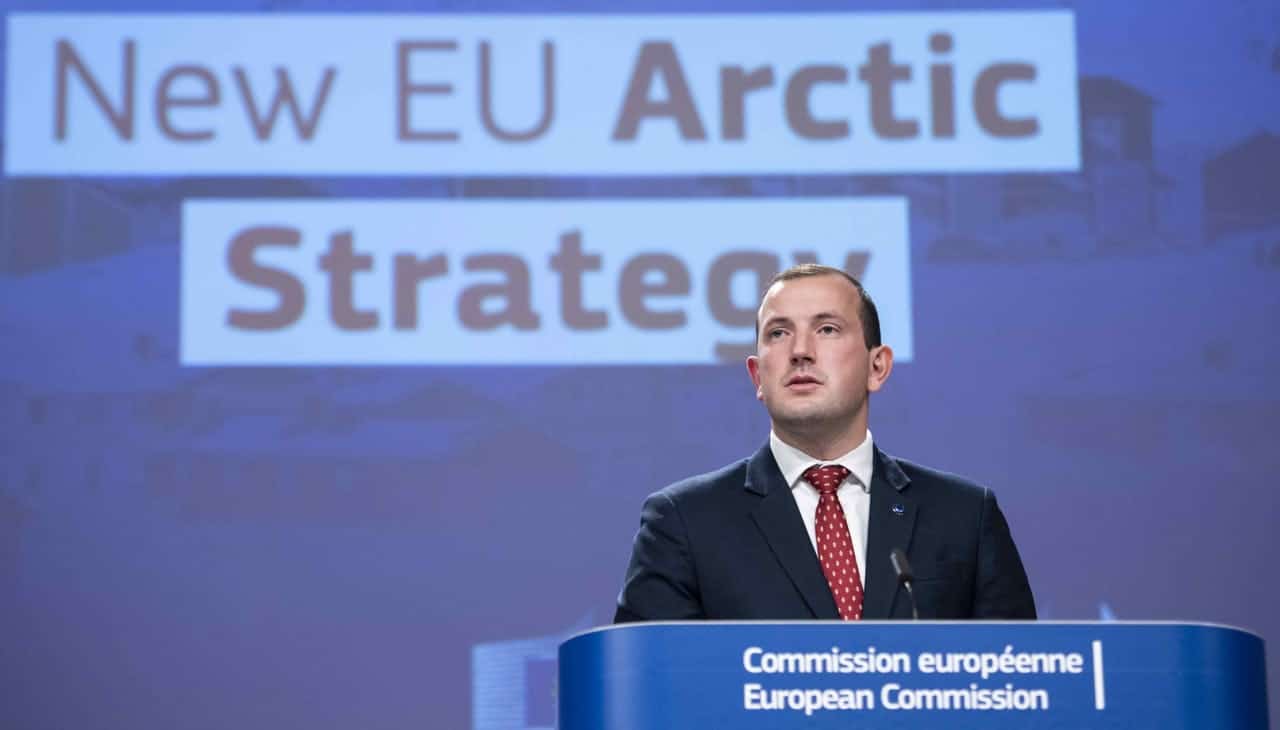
{"x":753,"y":369}
{"x":881,"y":366}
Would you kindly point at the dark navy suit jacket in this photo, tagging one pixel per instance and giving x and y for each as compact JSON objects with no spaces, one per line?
{"x":731,"y":545}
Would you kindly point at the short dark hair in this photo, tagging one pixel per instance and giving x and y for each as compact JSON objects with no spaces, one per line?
{"x":867,"y":313}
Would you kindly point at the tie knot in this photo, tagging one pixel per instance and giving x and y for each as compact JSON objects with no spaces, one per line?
{"x":826,"y":479}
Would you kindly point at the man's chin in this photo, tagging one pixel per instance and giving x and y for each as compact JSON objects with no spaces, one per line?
{"x":802,"y":419}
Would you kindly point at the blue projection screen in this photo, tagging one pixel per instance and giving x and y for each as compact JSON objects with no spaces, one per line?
{"x":343,"y":342}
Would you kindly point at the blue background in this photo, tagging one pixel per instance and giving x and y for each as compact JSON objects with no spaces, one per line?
{"x":404,"y":547}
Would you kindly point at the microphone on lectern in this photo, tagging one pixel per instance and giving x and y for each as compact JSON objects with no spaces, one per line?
{"x":903,"y":570}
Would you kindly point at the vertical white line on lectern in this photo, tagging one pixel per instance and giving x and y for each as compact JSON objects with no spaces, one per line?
{"x":1099,"y":690}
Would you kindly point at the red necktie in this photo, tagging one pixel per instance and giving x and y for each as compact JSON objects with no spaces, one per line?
{"x":835,"y":547}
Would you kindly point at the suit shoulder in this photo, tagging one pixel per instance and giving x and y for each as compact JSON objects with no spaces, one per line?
{"x":700,"y":487}
{"x":941,"y":481}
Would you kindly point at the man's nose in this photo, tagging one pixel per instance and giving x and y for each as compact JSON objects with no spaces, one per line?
{"x":801,"y":348}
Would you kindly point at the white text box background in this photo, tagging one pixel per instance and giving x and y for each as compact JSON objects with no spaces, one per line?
{"x":594,"y":59}
{"x":694,"y":231}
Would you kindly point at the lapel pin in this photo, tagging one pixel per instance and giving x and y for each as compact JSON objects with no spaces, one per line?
{"x":898,"y":509}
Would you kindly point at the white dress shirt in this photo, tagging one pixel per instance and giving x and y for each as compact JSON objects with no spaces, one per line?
{"x":854,"y":492}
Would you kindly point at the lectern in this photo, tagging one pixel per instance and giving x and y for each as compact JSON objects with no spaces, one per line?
{"x":812,"y":674}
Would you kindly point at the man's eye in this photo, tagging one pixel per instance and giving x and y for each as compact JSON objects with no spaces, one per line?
{"x":827,"y":329}
{"x":775,"y":334}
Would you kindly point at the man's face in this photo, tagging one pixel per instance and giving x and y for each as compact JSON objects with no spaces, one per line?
{"x":812,"y":369}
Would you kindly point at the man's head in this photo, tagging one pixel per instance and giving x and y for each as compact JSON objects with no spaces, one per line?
{"x":818,"y":356}
{"x":868,"y":315}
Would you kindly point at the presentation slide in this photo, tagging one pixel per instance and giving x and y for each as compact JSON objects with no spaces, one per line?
{"x":342,"y":342}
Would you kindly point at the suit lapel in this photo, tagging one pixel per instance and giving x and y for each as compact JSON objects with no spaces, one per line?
{"x":889,"y":526}
{"x":783,"y":528}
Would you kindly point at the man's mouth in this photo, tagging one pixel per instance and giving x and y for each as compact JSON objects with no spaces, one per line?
{"x":802,"y":380}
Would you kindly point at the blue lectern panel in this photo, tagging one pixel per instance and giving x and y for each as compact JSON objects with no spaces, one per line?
{"x":903,"y":675}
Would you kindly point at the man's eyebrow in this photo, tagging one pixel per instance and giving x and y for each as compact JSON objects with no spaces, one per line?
{"x":775,"y":321}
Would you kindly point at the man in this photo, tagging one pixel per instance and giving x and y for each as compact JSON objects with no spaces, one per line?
{"x":804,"y":528}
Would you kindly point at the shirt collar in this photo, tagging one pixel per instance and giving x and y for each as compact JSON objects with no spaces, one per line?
{"x":793,"y":462}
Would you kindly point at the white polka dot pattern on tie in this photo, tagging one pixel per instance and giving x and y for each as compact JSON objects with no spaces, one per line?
{"x":835,"y":546}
